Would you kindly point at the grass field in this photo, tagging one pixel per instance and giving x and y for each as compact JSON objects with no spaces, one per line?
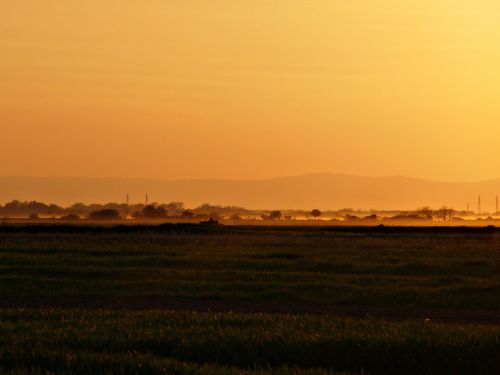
{"x":277,"y":295}
{"x":152,"y":341}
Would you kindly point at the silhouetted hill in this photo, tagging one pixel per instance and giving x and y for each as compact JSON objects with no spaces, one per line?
{"x":324,"y":191}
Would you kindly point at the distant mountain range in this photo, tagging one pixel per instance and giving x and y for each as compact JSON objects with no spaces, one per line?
{"x":323,"y":191}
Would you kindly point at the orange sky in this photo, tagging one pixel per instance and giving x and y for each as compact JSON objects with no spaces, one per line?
{"x":250,"y":89}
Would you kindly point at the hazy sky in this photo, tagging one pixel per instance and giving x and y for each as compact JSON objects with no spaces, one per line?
{"x":250,"y":89}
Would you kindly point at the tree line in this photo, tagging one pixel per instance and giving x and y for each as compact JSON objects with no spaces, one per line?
{"x":34,"y":210}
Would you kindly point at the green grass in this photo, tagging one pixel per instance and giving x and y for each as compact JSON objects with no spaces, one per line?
{"x":447,"y":269}
{"x":150,"y":342}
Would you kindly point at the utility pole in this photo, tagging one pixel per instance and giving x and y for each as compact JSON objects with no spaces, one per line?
{"x":468,"y":207}
{"x":146,"y":200}
{"x":496,"y":205}
{"x":479,"y":205}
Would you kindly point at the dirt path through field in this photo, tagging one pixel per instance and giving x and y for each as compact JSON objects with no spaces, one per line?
{"x":158,"y":303}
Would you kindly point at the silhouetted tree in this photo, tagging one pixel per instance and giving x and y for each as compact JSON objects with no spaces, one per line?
{"x":275,"y":215}
{"x":152,"y":212}
{"x":18,"y":208}
{"x":105,"y":214}
{"x":77,"y":209}
{"x":425,"y":212}
{"x":187,"y":214}
{"x":315,"y":213}
{"x":445,"y":213}
{"x":220,"y":211}
{"x":174,"y":208}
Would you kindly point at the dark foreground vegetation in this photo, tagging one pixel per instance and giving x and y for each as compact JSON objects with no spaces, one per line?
{"x":87,"y":299}
{"x":153,"y":342}
{"x":425,"y":268}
